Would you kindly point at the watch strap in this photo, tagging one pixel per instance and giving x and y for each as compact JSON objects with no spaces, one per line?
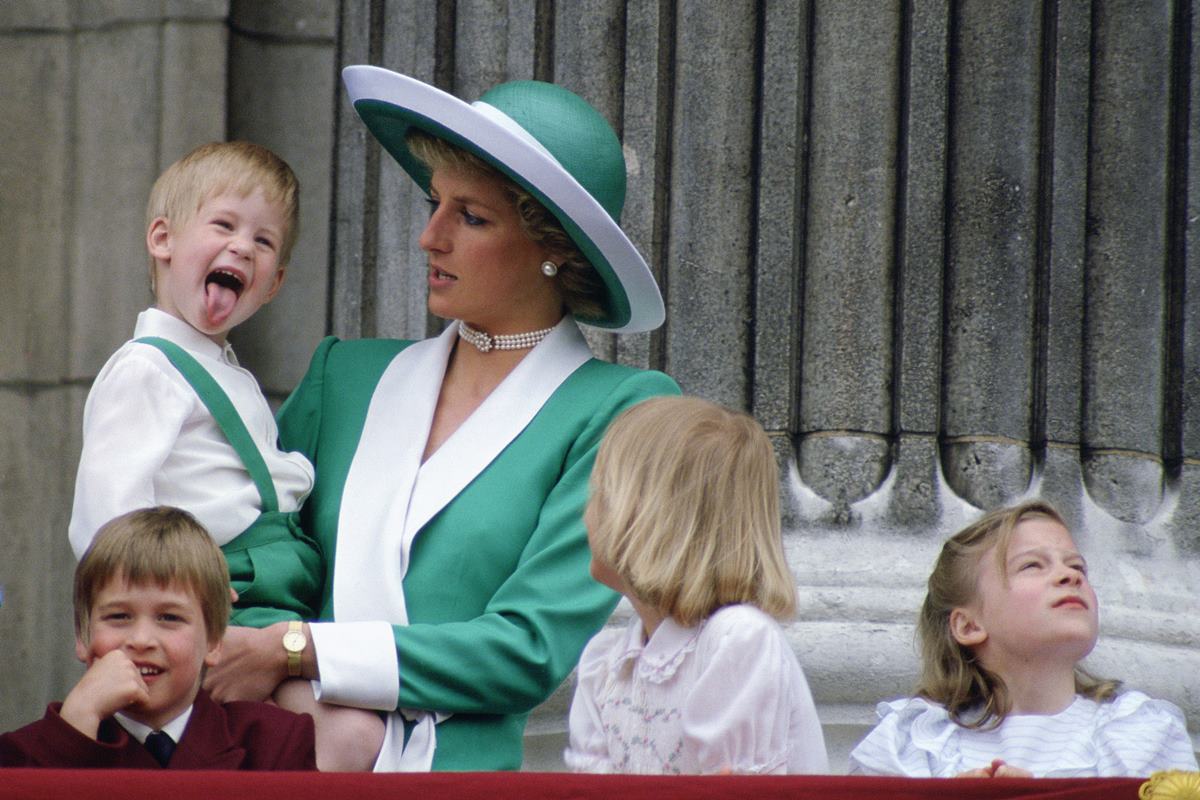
{"x":293,"y":664}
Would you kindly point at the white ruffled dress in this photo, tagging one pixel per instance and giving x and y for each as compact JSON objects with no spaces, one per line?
{"x":726,"y":695}
{"x":1132,"y":735}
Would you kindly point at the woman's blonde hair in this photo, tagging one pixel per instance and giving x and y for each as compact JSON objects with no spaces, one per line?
{"x":162,"y":546}
{"x":578,"y":283}
{"x":685,"y":508}
{"x":951,"y":675}
{"x":218,"y":167}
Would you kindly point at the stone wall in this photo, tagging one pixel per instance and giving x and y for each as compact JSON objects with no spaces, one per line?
{"x":95,"y":100}
{"x":942,"y":251}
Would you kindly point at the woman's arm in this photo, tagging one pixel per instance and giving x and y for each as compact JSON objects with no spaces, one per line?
{"x":534,"y":627}
{"x":252,"y":661}
{"x":505,"y":653}
{"x":499,"y":655}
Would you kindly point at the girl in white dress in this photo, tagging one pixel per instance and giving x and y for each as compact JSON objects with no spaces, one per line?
{"x":1008,"y":616}
{"x":683,"y":520}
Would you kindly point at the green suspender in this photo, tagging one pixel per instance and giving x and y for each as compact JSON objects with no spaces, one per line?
{"x":220,"y":406}
{"x":275,"y":569}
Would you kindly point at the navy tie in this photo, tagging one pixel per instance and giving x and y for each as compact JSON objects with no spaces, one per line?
{"x":161,"y":746}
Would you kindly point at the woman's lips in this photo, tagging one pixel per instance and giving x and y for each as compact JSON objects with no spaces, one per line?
{"x":440,"y":278}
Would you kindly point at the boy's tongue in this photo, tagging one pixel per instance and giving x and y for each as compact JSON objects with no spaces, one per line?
{"x":218,"y":302}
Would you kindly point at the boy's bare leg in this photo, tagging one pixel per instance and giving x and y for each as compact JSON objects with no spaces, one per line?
{"x":348,"y":739}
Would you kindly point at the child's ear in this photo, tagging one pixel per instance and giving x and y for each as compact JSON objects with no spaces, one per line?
{"x":277,"y":282}
{"x":966,"y":629}
{"x":81,"y":650}
{"x":213,"y":655}
{"x":158,"y":239}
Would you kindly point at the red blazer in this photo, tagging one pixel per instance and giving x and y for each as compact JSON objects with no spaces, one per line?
{"x":231,"y":736}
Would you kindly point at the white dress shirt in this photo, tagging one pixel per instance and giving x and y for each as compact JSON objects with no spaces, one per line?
{"x":140,"y":730}
{"x":726,"y":695}
{"x":1129,"y":736}
{"x":149,"y":440}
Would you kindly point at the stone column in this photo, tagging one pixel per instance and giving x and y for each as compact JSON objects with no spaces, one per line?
{"x":97,"y":98}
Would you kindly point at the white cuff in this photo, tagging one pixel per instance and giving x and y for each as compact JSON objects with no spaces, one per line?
{"x":357,"y":662}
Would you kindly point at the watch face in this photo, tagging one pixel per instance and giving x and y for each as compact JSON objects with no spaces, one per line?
{"x":294,"y":641}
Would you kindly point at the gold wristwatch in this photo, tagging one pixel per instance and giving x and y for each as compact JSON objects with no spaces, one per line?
{"x":294,"y":642}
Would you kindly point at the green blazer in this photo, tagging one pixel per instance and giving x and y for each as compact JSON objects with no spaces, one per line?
{"x":478,"y":557}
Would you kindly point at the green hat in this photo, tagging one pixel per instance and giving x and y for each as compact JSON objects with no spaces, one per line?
{"x":547,"y":140}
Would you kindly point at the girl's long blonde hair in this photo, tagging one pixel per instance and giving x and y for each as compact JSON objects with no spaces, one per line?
{"x":974,"y":696}
{"x":685,"y":508}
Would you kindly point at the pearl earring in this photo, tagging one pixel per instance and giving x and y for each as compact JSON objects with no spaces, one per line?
{"x":549,"y":269}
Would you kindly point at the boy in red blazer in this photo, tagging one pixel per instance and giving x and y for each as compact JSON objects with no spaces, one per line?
{"x":152,"y":601}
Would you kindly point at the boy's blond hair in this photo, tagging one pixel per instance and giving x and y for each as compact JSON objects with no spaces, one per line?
{"x":218,"y":167}
{"x":685,"y":508}
{"x":976,"y":697}
{"x":163,"y":546}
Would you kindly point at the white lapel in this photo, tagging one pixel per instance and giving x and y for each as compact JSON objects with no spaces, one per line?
{"x":390,"y":496}
{"x":375,"y":498}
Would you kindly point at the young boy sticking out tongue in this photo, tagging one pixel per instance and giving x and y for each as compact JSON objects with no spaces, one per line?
{"x":172,"y":419}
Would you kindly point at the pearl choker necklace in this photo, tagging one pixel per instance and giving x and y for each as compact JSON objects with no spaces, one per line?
{"x":505,"y":341}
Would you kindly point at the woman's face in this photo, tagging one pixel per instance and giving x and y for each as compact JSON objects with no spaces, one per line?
{"x":483,"y":269}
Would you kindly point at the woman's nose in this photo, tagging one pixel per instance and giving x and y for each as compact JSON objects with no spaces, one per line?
{"x":433,"y":236}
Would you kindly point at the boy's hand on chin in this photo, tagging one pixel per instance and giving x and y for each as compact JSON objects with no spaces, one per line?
{"x":111,"y":683}
{"x":252,"y":664}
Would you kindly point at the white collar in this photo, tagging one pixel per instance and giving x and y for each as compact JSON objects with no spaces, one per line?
{"x":156,"y":322}
{"x":656,"y":660}
{"x":140,"y":731}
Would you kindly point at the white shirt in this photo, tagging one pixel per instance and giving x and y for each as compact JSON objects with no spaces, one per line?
{"x":149,"y":440}
{"x":1132,"y":735}
{"x":140,"y":731}
{"x":727,"y":694}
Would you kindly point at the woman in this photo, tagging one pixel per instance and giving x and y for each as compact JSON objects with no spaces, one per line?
{"x":452,"y":473}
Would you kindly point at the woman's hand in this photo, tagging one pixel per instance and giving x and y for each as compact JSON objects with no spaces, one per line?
{"x":252,"y":663}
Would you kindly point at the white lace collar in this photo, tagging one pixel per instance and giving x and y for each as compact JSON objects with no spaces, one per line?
{"x":658,"y":659}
